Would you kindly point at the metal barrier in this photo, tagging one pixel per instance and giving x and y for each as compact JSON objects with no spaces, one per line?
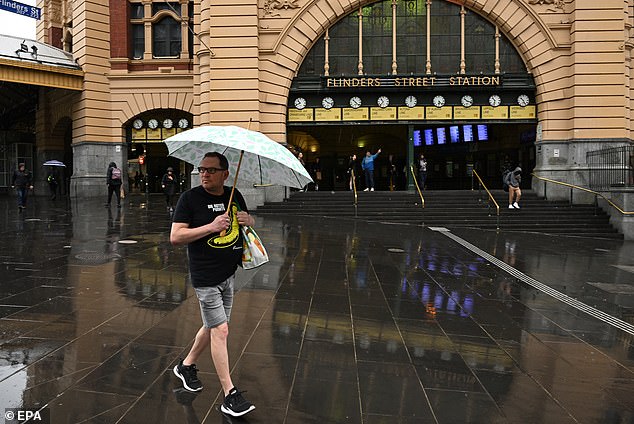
{"x":491,"y":198}
{"x":420,"y":193}
{"x":574,"y":187}
{"x":611,"y":168}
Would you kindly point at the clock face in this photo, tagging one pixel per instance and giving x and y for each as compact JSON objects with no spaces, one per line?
{"x":523,"y":100}
{"x":383,"y":101}
{"x":439,"y":101}
{"x":300,"y":103}
{"x":327,"y":102}
{"x":355,"y":102}
{"x":152,"y":123}
{"x":183,"y":123}
{"x":410,"y":101}
{"x":138,"y":124}
{"x":466,"y":101}
{"x":495,"y":100}
{"x":168,"y":123}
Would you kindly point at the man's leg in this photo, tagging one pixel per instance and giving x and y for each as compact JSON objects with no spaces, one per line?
{"x":200,"y":345}
{"x":220,"y":356}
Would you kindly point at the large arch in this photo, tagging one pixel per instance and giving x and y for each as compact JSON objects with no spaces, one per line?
{"x":532,"y":38}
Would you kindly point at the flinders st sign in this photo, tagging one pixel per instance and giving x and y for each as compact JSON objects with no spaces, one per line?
{"x":413,"y":81}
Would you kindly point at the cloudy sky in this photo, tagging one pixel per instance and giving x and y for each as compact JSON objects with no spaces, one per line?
{"x":14,"y":24}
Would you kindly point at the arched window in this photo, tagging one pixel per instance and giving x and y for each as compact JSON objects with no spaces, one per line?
{"x":166,"y":38}
{"x":445,"y":40}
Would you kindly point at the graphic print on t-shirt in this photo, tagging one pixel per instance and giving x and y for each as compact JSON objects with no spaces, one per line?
{"x":233,"y":233}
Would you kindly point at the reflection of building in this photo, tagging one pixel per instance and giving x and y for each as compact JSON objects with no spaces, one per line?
{"x":482,"y":79}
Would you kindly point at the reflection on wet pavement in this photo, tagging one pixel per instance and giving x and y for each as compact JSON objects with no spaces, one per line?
{"x":349,"y":322}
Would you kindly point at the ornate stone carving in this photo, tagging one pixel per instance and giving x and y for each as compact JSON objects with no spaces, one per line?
{"x":270,"y":6}
{"x":559,"y":4}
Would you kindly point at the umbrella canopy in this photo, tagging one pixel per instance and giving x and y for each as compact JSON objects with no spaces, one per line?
{"x":264,"y":162}
{"x":54,"y":163}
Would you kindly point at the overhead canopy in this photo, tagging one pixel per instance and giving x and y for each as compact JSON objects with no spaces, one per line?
{"x":34,"y":63}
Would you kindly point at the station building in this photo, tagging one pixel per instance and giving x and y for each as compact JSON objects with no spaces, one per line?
{"x":471,"y":84}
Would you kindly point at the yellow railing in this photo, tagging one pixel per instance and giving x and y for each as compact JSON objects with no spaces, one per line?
{"x":587,"y":190}
{"x":354,"y":186}
{"x":497,"y":207}
{"x":420,"y":193}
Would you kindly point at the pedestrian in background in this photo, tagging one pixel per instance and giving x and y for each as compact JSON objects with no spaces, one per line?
{"x":52,"y":183}
{"x":317,"y":173}
{"x":352,"y":171}
{"x":168,"y":184}
{"x":22,"y":182}
{"x":113,"y":180}
{"x":514,"y":180}
{"x":368,"y":167}
{"x":422,"y":171}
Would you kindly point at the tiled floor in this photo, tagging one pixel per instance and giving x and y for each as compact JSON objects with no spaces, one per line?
{"x":350,"y":322}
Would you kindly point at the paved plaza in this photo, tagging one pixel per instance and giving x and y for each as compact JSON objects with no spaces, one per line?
{"x":350,"y":322}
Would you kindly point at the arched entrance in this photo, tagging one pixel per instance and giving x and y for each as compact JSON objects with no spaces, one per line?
{"x":411,"y":78}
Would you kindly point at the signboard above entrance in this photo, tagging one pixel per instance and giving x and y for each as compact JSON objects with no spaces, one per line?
{"x":412,"y":81}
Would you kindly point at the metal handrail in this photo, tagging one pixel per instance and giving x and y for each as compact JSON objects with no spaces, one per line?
{"x":587,"y":190}
{"x":497,"y":207}
{"x":354,"y":186}
{"x":420,"y":193}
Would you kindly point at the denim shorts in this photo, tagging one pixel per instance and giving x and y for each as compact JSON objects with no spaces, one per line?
{"x":215,"y":303}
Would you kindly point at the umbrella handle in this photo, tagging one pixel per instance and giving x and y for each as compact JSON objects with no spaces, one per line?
{"x":233,"y":189}
{"x":235,"y":180}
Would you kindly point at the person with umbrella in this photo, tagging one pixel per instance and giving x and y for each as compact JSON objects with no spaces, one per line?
{"x":207,"y":219}
{"x":22,"y":181}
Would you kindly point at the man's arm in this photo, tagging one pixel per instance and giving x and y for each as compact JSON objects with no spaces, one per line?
{"x":181,"y":233}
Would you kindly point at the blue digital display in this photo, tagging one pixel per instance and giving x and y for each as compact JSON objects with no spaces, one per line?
{"x":483,"y":133}
{"x":468,"y":132}
{"x":417,"y":140}
{"x":441,"y":134}
{"x":429,"y":137}
{"x":454,"y":134}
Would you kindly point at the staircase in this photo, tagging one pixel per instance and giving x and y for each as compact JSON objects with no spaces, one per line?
{"x":451,"y":209}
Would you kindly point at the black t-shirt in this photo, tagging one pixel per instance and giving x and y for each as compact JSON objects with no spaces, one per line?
{"x":212,"y":259}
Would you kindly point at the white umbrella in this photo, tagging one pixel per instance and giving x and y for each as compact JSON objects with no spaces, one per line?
{"x":256,"y":157}
{"x":54,"y":163}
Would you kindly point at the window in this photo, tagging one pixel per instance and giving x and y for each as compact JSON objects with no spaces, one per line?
{"x":165,"y":19}
{"x":166,"y":38}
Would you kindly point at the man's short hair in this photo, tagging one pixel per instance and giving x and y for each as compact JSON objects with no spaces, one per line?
{"x":224,"y":163}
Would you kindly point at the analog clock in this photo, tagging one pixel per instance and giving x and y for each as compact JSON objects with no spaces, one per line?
{"x":439,"y":101}
{"x":152,"y":123}
{"x":410,"y":101}
{"x":383,"y":101}
{"x":300,"y":103}
{"x":523,"y":100}
{"x":168,"y":123}
{"x":138,"y":124}
{"x":355,"y":102}
{"x":183,"y":123}
{"x":327,"y":102}
{"x":495,"y":100}
{"x":466,"y":101}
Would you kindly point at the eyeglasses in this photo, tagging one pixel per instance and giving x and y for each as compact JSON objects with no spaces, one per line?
{"x":210,"y":170}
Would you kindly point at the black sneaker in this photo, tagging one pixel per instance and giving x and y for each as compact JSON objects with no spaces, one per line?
{"x":188,"y":375}
{"x":235,"y":405}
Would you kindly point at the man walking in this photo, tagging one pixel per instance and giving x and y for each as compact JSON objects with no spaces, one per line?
{"x":514,"y":180}
{"x":201,"y":218}
{"x":22,"y":181}
{"x":368,"y":167}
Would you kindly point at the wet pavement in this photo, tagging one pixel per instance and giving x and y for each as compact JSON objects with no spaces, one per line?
{"x":350,"y":322}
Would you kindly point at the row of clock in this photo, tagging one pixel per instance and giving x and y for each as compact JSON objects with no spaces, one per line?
{"x":411,"y":101}
{"x":154,"y":123}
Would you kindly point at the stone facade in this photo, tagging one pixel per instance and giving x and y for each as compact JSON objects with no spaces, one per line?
{"x":247,"y":52}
